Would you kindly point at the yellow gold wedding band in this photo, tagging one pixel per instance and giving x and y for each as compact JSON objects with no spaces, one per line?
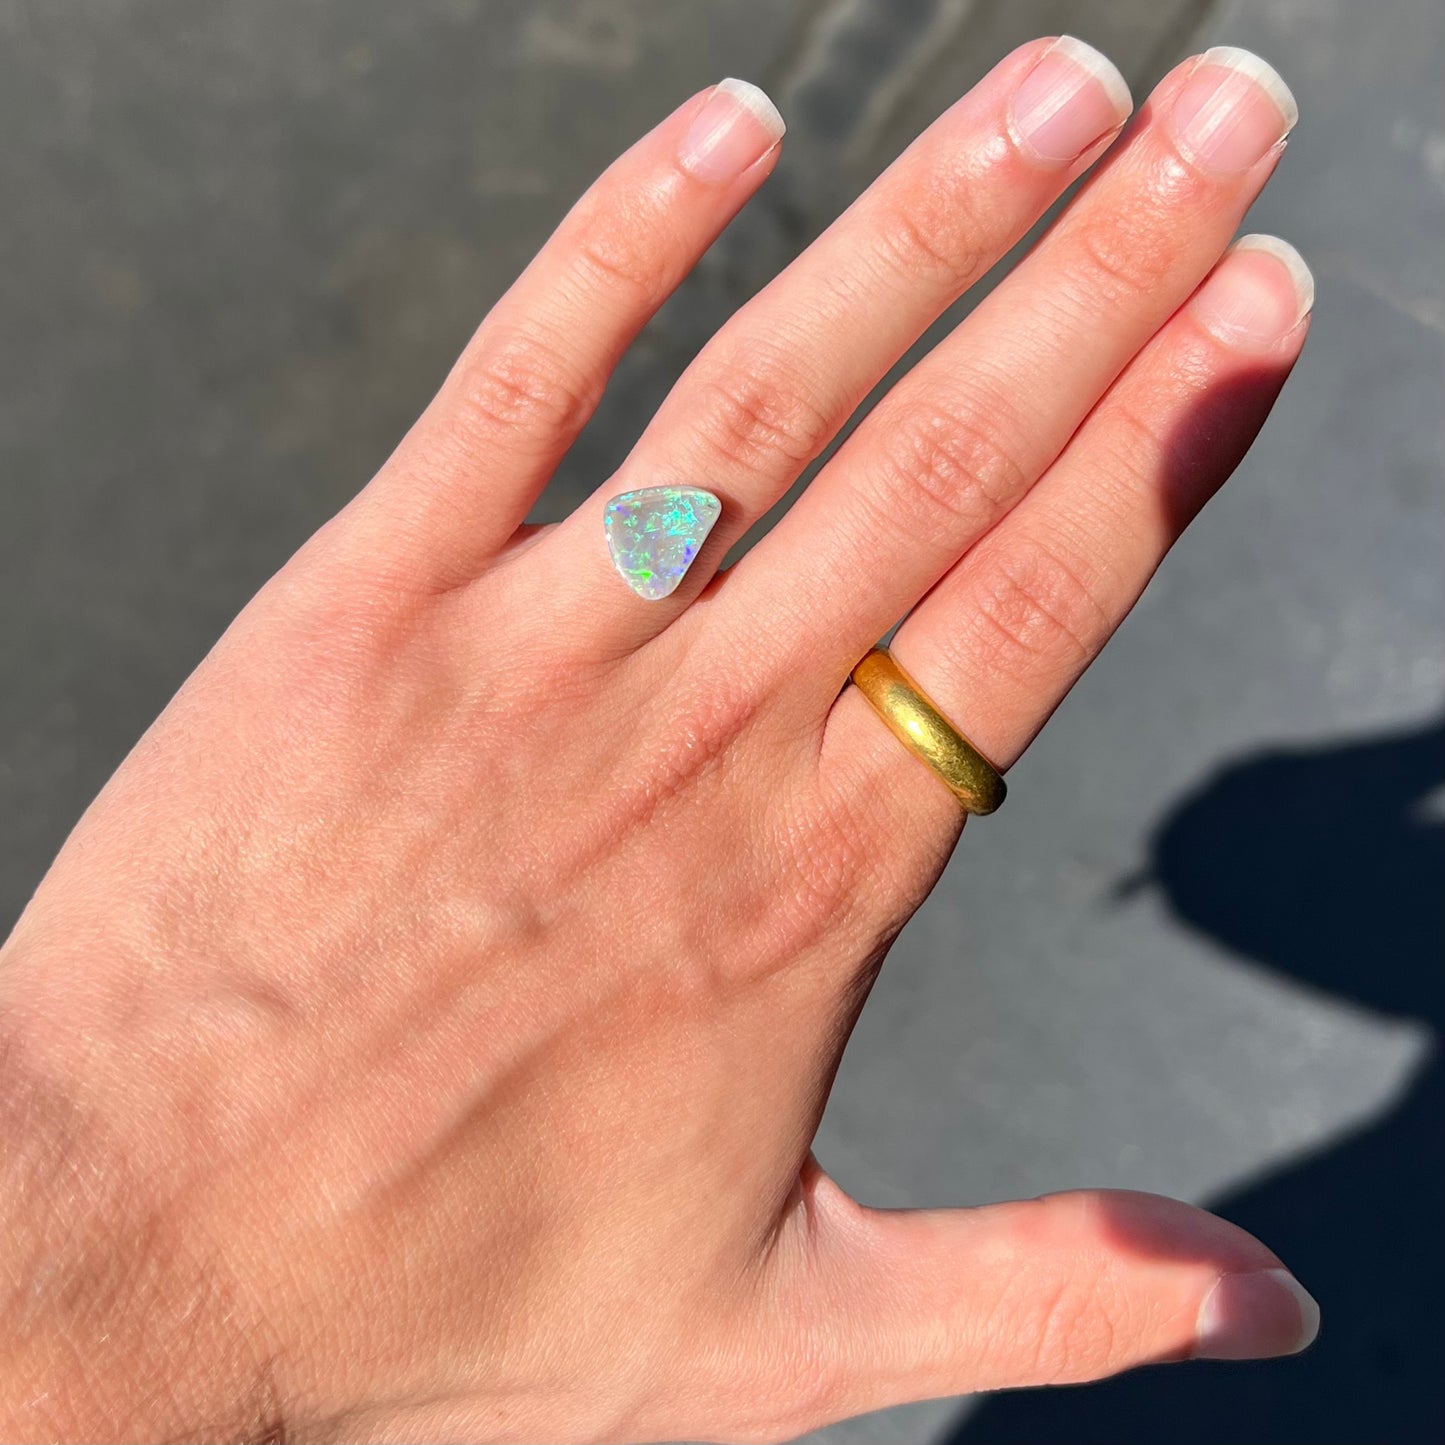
{"x":916,"y":722}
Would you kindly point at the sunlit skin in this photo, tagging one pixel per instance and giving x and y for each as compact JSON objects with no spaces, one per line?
{"x":424,"y":1033}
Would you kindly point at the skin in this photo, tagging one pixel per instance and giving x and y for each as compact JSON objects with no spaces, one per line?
{"x":424,"y":1032}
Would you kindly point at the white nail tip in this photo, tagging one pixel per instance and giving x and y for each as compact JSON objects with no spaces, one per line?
{"x":756,"y":103}
{"x":1292,"y":261}
{"x":1259,"y":70}
{"x":1100,"y":67}
{"x":1309,"y":1310}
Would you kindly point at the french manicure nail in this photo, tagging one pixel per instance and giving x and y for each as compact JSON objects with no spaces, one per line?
{"x":1232,"y":111}
{"x":1072,"y":98}
{"x":1258,"y":293}
{"x":737,"y":126}
{"x":1256,"y":1316}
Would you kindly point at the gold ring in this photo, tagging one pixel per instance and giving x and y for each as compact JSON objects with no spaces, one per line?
{"x":916,"y":722}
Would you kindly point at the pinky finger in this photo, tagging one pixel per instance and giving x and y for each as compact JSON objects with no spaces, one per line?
{"x":1005,"y":635}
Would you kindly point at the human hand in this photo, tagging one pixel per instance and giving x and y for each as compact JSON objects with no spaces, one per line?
{"x":424,"y":1033}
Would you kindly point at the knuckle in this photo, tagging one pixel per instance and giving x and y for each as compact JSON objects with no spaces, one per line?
{"x":623,"y":243}
{"x":1133,"y":446}
{"x":1035,"y":609}
{"x":1134,"y":436}
{"x":1074,"y":1333}
{"x":609,"y":259}
{"x":759,"y":421}
{"x":926,"y":240}
{"x":1085,"y":1325}
{"x":949,"y":466}
{"x":521,"y":386}
{"x":1126,"y":254}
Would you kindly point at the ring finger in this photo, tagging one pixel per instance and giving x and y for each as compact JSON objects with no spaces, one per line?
{"x":1009,"y":630}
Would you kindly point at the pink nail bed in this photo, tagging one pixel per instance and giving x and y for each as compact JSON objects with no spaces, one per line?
{"x":1232,"y":110}
{"x":736,"y":127}
{"x":1069,"y":101}
{"x":1257,"y":1315}
{"x":1259,"y":293}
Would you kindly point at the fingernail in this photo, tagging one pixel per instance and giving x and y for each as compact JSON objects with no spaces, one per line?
{"x":1071,"y":99}
{"x":1258,"y":293}
{"x":737,"y":126}
{"x":1233,"y":110}
{"x":1256,"y":1316}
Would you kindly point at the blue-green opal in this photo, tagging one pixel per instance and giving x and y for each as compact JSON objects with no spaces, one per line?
{"x":655,"y":533}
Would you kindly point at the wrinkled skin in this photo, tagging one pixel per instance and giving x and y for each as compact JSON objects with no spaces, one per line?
{"x":424,"y":1033}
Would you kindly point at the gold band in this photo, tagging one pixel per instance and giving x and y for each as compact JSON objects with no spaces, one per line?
{"x":916,"y":722}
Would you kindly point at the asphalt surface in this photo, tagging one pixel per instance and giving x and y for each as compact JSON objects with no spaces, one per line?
{"x":1199,"y":952}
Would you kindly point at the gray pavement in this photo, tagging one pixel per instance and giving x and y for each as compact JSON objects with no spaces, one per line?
{"x":1199,"y":952}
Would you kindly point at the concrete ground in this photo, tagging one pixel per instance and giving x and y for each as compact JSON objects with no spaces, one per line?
{"x":1199,"y":952}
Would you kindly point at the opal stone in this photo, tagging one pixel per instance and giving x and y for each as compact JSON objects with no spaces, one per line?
{"x":654,"y":534}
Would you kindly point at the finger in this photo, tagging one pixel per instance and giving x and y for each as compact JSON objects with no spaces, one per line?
{"x":765,"y":396}
{"x":915,"y":1304}
{"x":471,"y":467}
{"x":964,"y":435}
{"x":1012,"y":627}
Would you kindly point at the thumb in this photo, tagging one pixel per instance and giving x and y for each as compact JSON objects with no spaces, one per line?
{"x":916,"y":1304}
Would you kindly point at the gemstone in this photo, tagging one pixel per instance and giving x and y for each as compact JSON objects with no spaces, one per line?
{"x":655,"y":533}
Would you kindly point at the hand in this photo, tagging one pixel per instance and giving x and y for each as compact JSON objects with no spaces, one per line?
{"x":423,"y":1034}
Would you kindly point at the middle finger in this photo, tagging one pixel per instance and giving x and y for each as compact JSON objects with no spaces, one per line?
{"x":771,"y":389}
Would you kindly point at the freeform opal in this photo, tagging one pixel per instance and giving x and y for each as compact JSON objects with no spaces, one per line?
{"x":654,"y":534}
